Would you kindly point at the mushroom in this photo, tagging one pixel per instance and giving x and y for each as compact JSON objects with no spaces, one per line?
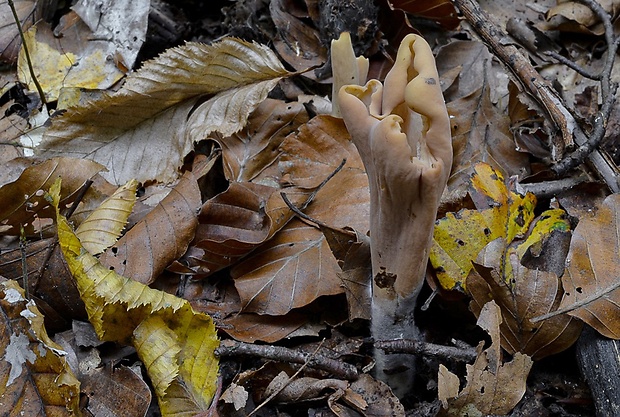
{"x":402,"y":132}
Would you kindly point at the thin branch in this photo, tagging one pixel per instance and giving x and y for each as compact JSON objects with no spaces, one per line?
{"x":573,"y":65}
{"x":25,"y":45}
{"x":282,"y":354}
{"x":415,"y":347}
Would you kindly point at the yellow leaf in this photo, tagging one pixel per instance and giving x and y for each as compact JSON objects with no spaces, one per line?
{"x":459,"y":237}
{"x":103,"y":226}
{"x":36,"y":377}
{"x":70,"y":61}
{"x":175,"y":343}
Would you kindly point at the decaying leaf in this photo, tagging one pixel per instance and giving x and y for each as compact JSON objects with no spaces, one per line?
{"x":116,"y":390}
{"x":493,"y":386}
{"x":140,"y":131}
{"x":122,"y":24}
{"x":175,"y":343}
{"x":483,"y":136}
{"x":592,"y":279}
{"x":73,"y":60}
{"x":459,"y":237}
{"x":247,"y":153}
{"x":23,"y":202}
{"x":36,"y":377}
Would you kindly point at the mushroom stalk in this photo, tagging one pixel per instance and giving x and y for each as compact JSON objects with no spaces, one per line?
{"x":402,"y":132}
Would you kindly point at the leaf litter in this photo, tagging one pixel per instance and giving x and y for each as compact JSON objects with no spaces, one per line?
{"x":292,"y":271}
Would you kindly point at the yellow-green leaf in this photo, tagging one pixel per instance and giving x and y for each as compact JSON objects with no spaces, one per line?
{"x":459,"y":237}
{"x":175,"y":343}
{"x":103,"y":226}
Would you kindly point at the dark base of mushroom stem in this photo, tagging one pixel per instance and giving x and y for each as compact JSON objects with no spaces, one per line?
{"x":392,"y":320}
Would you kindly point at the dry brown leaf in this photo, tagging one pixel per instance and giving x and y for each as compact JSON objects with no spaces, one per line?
{"x":571,"y":16}
{"x":481,"y":136}
{"x":592,"y":279}
{"x":312,"y":155}
{"x":529,"y":294}
{"x":116,"y":391}
{"x":352,"y":250}
{"x":290,"y":270}
{"x":247,"y":153}
{"x":493,"y":386}
{"x":442,"y":11}
{"x":161,"y":237}
{"x":49,"y":281}
{"x":232,"y":224}
{"x":377,"y":398}
{"x":250,"y":328}
{"x":297,"y":42}
{"x":24,"y":203}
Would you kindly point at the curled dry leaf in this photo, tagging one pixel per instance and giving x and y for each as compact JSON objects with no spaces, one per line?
{"x":140,"y":131}
{"x":231,"y":225}
{"x":161,"y":237}
{"x":493,"y":386}
{"x":23,"y":201}
{"x":592,"y":280}
{"x":102,"y":228}
{"x":36,"y":377}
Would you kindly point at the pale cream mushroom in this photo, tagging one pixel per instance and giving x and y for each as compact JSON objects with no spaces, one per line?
{"x":402,"y":132}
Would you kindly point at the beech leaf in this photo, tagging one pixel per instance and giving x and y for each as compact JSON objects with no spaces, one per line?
{"x":140,"y":131}
{"x":592,"y":277}
{"x":521,"y":294}
{"x":232,"y":224}
{"x":175,"y":343}
{"x":290,"y":270}
{"x":163,"y":235}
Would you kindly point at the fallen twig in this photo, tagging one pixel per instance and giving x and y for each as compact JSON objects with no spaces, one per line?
{"x":278,"y":353}
{"x":415,"y":347}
